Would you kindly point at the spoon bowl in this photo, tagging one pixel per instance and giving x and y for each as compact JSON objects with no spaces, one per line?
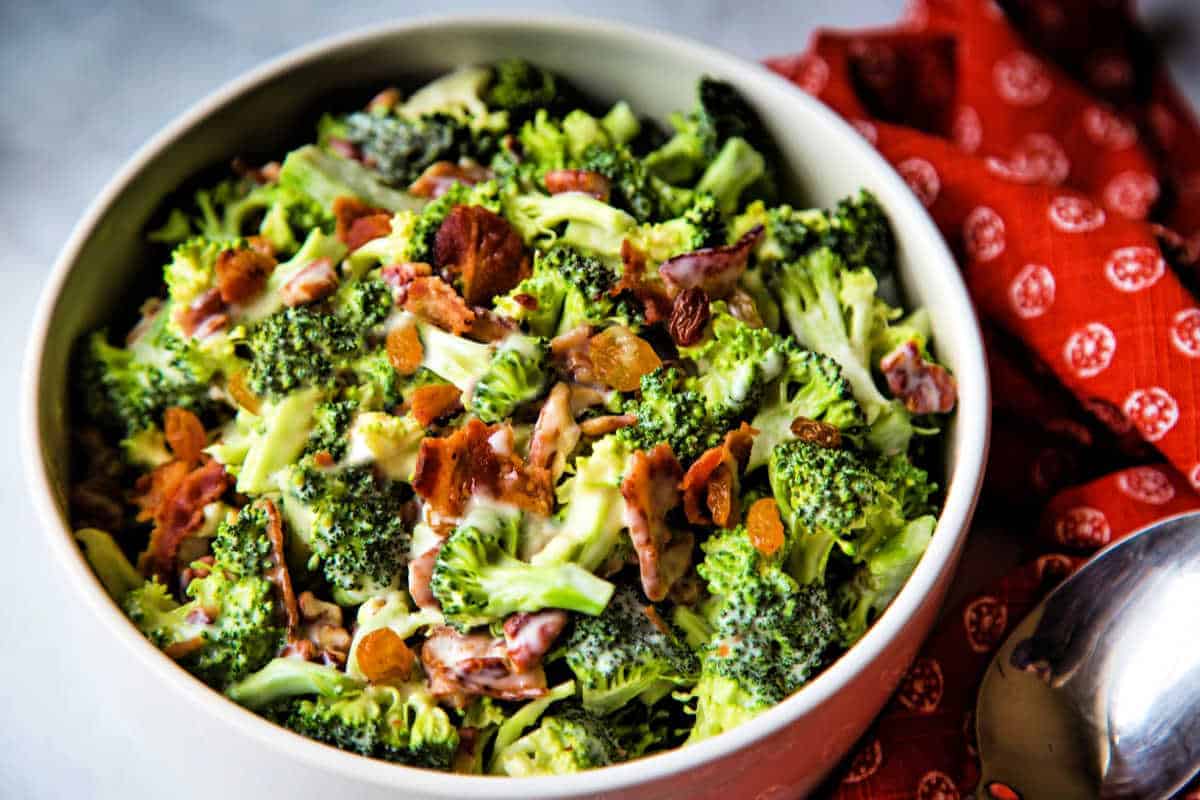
{"x":1096,"y":694}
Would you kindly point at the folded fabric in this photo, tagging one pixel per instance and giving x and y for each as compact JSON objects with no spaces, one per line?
{"x":1063,"y":167}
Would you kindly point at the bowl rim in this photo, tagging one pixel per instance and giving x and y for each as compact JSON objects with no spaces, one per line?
{"x":973,"y":421}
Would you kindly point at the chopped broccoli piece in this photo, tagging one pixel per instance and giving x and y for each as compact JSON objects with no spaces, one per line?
{"x":455,"y":359}
{"x":231,"y":626}
{"x":632,"y":189}
{"x":298,"y":347}
{"x":146,"y":448}
{"x":862,"y":234}
{"x":403,"y":725}
{"x":331,"y":428}
{"x":389,"y":442}
{"x":518,"y":374}
{"x":625,"y":654}
{"x":672,"y":411}
{"x":272,"y":442}
{"x":478,"y":578}
{"x":621,"y":124}
{"x":591,"y":226}
{"x":283,"y":678}
{"x":735,"y":362}
{"x":569,"y":741}
{"x":736,"y":167}
{"x":568,"y":289}
{"x":109,"y":562}
{"x":401,"y":149}
{"x":325,"y":177}
{"x":521,"y":88}
{"x":458,"y":94}
{"x":770,"y":635}
{"x":884,"y":570}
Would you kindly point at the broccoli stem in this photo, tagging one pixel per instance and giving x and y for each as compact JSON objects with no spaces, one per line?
{"x":514,"y":585}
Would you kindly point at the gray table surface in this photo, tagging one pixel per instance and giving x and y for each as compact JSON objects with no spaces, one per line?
{"x":82,"y":84}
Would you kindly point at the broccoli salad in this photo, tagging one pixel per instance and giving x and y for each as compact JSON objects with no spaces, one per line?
{"x":501,"y":433}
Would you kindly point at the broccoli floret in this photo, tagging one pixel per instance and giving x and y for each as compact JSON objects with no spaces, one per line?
{"x":377,"y":384}
{"x":770,"y":635}
{"x":351,"y":522}
{"x":284,"y":678}
{"x":621,"y":124}
{"x":331,"y":427}
{"x":724,"y":114}
{"x":255,"y":448}
{"x":811,"y":386}
{"x":478,"y":578}
{"x":567,"y":289}
{"x":861,"y":233}
{"x":834,"y":310}
{"x":298,"y":347}
{"x":324,"y":177}
{"x":518,"y":374}
{"x":736,"y":167}
{"x":363,"y":305}
{"x":591,"y":226}
{"x":625,"y":653}
{"x":402,"y":725}
{"x":127,"y":389}
{"x":458,"y":94}
{"x":700,"y":226}
{"x":109,"y":562}
{"x":231,"y":626}
{"x":455,"y":359}
{"x":570,"y":740}
{"x":236,"y":208}
{"x":192,"y":269}
{"x":521,"y":88}
{"x":402,"y":149}
{"x":389,"y":442}
{"x":146,"y":449}
{"x":672,"y":412}
{"x":885,"y":567}
{"x":631,"y":187}
{"x":734,"y":363}
{"x":592,"y":519}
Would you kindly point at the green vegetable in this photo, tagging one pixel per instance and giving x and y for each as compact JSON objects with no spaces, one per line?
{"x":671,"y":410}
{"x":517,"y":375}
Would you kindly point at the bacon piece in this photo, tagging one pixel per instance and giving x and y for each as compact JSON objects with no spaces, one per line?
{"x":482,"y":248}
{"x":153,"y":489}
{"x":676,"y":560}
{"x":359,"y":223}
{"x":650,"y":489}
{"x":559,"y":181}
{"x":528,"y":637}
{"x":451,"y":469}
{"x":488,"y":326}
{"x":555,"y":434}
{"x":179,"y":514}
{"x":420,"y":574}
{"x":925,"y":388}
{"x":315,"y":281}
{"x":655,"y":302}
{"x":714,"y":269}
{"x":184,"y":434}
{"x":345,"y":148}
{"x":385,"y":101}
{"x":710,"y":487}
{"x":204,"y":316}
{"x":434,"y":300}
{"x":322,"y":627}
{"x":460,"y":666}
{"x":241,"y":274}
{"x":278,"y":575}
{"x":571,"y":353}
{"x":602,"y":426}
{"x":267,"y":173}
{"x":438,"y":177}
{"x":399,"y":276}
{"x":431,"y":403}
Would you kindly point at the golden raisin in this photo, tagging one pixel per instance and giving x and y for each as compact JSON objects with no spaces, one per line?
{"x":822,"y":433}
{"x":241,"y":394}
{"x":764,"y":527}
{"x":621,"y":358}
{"x":404,"y":349}
{"x":185,"y":434}
{"x":383,"y":656}
{"x":431,"y":403}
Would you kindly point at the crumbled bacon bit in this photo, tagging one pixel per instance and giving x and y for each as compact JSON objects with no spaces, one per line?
{"x":482,"y":248}
{"x":621,"y":358}
{"x":488,"y":326}
{"x":714,"y":269}
{"x":764,"y":527}
{"x":278,"y":575}
{"x":345,"y":148}
{"x":260,"y":245}
{"x":591,"y":183}
{"x":267,"y":173}
{"x":451,"y":469}
{"x":602,"y":426}
{"x":437,"y":178}
{"x":571,"y":353}
{"x":359,"y":223}
{"x":459,"y":666}
{"x":197,"y":569}
{"x":386,"y":100}
{"x":179,"y":513}
{"x":399,"y":276}
{"x":555,"y":433}
{"x":242,"y":273}
{"x":526,"y":301}
{"x":811,"y":430}
{"x":435,"y":401}
{"x":153,"y":489}
{"x":689,"y":315}
{"x":656,"y":304}
{"x":528,"y":637}
{"x":240,"y":391}
{"x":383,"y":657}
{"x":650,"y":489}
{"x":184,"y":434}
{"x":315,"y":281}
{"x":420,"y":574}
{"x":204,"y":316}
{"x":404,"y":350}
{"x":177,"y":651}
{"x":434,"y":300}
{"x":925,"y":388}
{"x":710,"y":487}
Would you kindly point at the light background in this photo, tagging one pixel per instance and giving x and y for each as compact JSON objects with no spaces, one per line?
{"x":82,"y":85}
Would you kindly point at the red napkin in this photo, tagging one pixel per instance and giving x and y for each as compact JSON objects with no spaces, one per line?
{"x":1063,"y":168}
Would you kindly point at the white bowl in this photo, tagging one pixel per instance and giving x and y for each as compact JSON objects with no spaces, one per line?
{"x":787,"y":750}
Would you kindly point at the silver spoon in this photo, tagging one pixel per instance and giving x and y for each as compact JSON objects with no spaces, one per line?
{"x":1096,"y":694}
